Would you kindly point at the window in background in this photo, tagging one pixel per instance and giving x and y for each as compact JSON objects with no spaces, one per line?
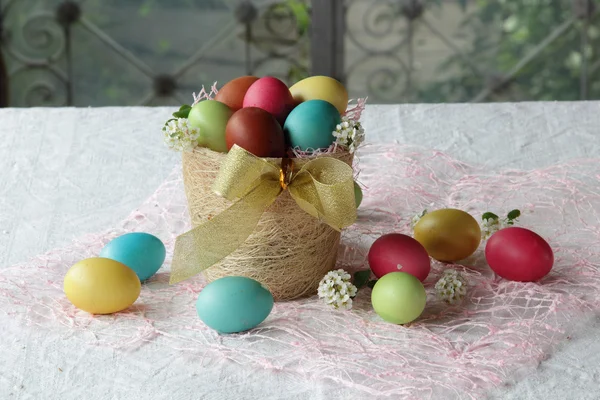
{"x":155,"y":52}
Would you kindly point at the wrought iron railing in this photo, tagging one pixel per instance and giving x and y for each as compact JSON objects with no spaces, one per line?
{"x":72,"y":53}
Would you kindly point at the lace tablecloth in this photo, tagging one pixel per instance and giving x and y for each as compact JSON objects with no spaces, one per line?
{"x":71,"y":172}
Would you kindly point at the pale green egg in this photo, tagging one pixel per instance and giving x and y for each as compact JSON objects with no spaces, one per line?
{"x":398,"y":297}
{"x":358,"y":194}
{"x":210,"y":117}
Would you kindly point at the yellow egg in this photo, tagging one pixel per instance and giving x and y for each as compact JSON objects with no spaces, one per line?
{"x":101,"y":286}
{"x":321,"y":88}
{"x":448,"y":234}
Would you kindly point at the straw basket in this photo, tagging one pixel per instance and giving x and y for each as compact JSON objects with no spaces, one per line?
{"x":289,"y":251}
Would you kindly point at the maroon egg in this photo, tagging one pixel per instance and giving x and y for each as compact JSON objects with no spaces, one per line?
{"x":257,"y":131}
{"x":518,"y":254}
{"x":271,"y":95}
{"x":396,"y":252}
{"x":233,"y":92}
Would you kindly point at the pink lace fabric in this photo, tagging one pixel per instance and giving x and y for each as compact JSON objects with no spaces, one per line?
{"x":503,"y":328}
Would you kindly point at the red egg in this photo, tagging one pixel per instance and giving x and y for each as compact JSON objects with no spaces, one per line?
{"x":257,"y":131}
{"x":518,"y":254}
{"x":233,"y":92}
{"x":395,"y":252}
{"x":271,"y":95}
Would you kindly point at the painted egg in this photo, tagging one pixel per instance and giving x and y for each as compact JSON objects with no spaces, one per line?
{"x":321,"y":88}
{"x":272,"y":95}
{"x":101,"y":286}
{"x":448,"y":234}
{"x":518,"y":254}
{"x":398,"y":297}
{"x":234,"y":304}
{"x":142,"y":252}
{"x":233,"y":92}
{"x":358,"y":194}
{"x":396,"y":252}
{"x":257,"y":131}
{"x":310,"y":125}
{"x":211,"y":116}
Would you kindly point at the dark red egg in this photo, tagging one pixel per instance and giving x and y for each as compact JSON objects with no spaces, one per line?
{"x":396,"y":252}
{"x":518,"y":254}
{"x":257,"y":131}
{"x":271,"y":95}
{"x":233,"y":92}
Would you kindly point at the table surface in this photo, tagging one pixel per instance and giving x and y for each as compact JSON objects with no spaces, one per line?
{"x":68,"y":172}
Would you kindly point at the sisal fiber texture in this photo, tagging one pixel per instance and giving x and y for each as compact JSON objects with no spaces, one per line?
{"x":289,"y":251}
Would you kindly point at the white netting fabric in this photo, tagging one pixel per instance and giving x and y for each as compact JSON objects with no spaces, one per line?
{"x":501,"y":327}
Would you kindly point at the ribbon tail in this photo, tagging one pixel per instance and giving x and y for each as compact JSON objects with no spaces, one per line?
{"x":324,"y":188}
{"x":209,"y":243}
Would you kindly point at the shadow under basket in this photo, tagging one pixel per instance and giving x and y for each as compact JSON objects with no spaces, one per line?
{"x":289,"y":251}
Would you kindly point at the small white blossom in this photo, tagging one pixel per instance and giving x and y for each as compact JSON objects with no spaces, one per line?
{"x":180,"y":136}
{"x":452,"y":287}
{"x":349,"y":134}
{"x":336,"y":289}
{"x":417,"y":218}
{"x":490,"y":226}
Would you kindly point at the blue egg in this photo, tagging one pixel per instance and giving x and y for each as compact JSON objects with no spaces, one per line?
{"x":310,"y":125}
{"x":142,"y":252}
{"x":234,"y":304}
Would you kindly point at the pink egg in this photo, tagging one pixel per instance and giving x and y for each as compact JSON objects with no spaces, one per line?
{"x":272,"y":95}
{"x":395,"y":252}
{"x":518,"y":254}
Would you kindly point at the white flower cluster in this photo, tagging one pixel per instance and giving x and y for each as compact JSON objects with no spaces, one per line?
{"x":349,"y":133}
{"x":180,"y":136}
{"x":451,"y":287}
{"x":417,"y":218}
{"x":337,"y":290}
{"x":490,"y":226}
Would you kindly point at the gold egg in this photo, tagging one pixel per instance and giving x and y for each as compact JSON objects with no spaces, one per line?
{"x":448,"y":234}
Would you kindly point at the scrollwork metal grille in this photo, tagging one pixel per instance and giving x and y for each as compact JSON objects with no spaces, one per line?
{"x":76,"y":53}
{"x":154,"y":52}
{"x":487,"y":50}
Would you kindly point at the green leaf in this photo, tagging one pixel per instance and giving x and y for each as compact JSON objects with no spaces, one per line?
{"x":372,"y":283}
{"x":514,"y":214}
{"x":489,"y":215}
{"x":361,"y":278}
{"x":184,"y":111}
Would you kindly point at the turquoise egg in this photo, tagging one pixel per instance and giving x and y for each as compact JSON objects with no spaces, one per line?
{"x":234,"y":304}
{"x":310,"y":125}
{"x":142,"y":252}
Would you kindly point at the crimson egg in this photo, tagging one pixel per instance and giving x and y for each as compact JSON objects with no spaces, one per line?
{"x":257,"y":131}
{"x":271,"y":95}
{"x":396,"y":252}
{"x":518,"y":254}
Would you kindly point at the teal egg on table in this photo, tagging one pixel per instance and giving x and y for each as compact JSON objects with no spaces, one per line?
{"x":142,"y":252}
{"x":211,"y":117}
{"x":234,"y":304}
{"x":310,"y":125}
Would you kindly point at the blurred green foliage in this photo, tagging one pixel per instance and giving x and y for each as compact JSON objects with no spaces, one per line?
{"x":504,"y":32}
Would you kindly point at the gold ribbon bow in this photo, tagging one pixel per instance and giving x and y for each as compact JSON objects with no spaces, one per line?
{"x":323,"y":187}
